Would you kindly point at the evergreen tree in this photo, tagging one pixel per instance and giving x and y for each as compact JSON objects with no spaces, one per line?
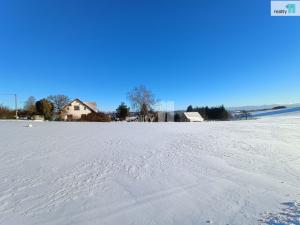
{"x":212,"y":113}
{"x":189,"y":108}
{"x":122,"y":111}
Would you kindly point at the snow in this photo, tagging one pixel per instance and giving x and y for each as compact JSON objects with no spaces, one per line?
{"x":237,"y":172}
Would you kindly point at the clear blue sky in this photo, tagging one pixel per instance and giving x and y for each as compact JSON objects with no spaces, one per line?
{"x":190,"y":52}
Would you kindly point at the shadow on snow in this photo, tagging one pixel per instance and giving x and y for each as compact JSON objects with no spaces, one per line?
{"x":289,"y":214}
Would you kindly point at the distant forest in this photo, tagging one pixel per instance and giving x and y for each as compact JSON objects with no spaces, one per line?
{"x":211,"y":113}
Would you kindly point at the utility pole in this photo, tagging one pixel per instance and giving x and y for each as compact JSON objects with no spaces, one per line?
{"x":16,"y":106}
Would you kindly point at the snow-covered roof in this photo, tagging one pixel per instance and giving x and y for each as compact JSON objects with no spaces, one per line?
{"x":193,"y":116}
{"x":92,"y":105}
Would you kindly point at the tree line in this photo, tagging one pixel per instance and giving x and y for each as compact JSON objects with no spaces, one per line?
{"x":49,"y":107}
{"x":142,"y":101}
{"x":211,"y":113}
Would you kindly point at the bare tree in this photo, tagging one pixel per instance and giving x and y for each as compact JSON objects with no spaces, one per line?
{"x":141,"y":99}
{"x":144,"y":110}
{"x":30,"y":105}
{"x":58,"y":101}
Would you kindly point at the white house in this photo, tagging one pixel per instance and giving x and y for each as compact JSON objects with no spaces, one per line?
{"x":192,"y":117}
{"x":76,"y":108}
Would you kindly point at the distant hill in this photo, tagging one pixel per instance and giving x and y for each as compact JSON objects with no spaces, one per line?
{"x":262,"y":107}
{"x":277,"y":112}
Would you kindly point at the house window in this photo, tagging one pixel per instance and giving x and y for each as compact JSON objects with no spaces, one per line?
{"x":76,"y":107}
{"x":84,"y":107}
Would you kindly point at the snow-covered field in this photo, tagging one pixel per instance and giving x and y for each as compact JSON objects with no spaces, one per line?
{"x":237,"y":173}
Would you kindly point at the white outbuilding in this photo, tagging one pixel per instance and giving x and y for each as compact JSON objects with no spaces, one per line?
{"x":192,"y":117}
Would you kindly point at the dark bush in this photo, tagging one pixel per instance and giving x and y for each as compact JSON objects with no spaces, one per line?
{"x":7,"y":113}
{"x":45,"y":107}
{"x":177,"y":117}
{"x":25,"y":114}
{"x":96,"y":117}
